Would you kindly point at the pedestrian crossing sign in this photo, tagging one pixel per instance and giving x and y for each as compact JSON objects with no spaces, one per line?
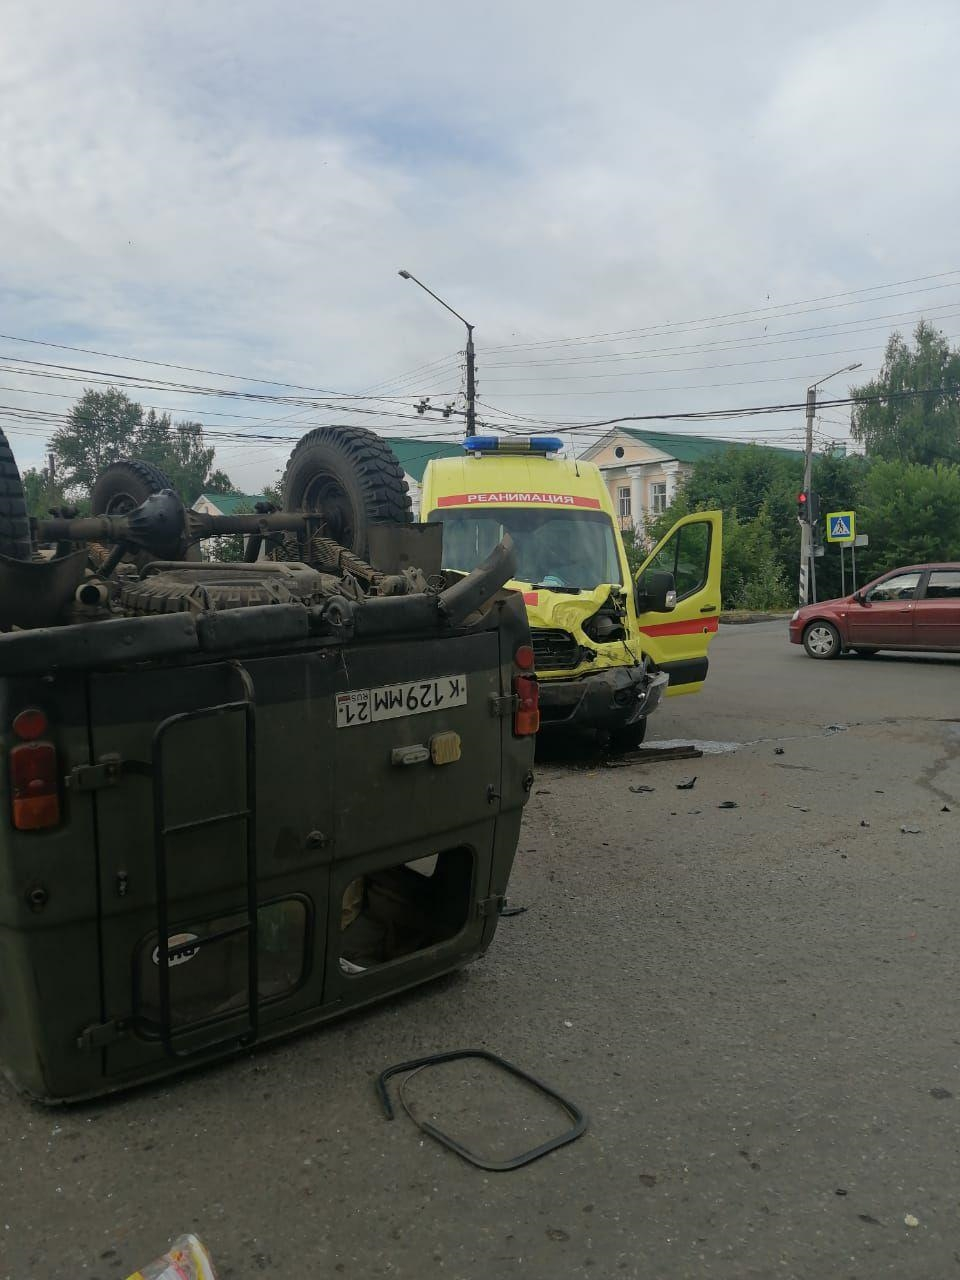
{"x":841,"y":526}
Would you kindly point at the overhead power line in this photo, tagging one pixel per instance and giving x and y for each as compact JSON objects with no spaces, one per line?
{"x":736,"y":317}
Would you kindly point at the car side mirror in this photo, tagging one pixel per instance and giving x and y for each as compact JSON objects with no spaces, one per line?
{"x":656,"y":592}
{"x":860,"y":597}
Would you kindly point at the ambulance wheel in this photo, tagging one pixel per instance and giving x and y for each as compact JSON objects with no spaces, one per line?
{"x":630,"y":736}
{"x":352,"y":478}
{"x":15,"y":539}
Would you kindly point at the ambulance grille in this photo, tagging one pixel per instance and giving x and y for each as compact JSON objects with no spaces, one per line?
{"x":554,"y":650}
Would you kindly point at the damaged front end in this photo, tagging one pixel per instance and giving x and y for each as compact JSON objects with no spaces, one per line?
{"x":592,"y":676}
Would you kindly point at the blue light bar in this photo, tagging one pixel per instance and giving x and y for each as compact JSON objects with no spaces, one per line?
{"x":513,"y":444}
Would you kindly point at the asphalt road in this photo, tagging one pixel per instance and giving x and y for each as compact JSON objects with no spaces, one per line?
{"x":758,"y":1007}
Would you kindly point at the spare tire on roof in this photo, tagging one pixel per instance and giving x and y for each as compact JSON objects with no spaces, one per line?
{"x":205,"y":588}
{"x":352,"y":478}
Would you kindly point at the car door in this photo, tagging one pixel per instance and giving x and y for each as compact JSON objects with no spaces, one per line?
{"x":884,"y":619}
{"x":678,"y":641}
{"x":936,"y":615}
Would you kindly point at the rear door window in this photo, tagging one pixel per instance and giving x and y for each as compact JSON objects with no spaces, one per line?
{"x":944,"y":584}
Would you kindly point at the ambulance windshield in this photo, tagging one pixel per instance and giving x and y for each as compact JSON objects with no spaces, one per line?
{"x":556,"y":549}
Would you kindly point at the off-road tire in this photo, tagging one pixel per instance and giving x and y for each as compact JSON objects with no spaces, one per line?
{"x":629,"y":737}
{"x":122,"y":486}
{"x":14,"y":523}
{"x":180,"y":591}
{"x":350,"y":476}
{"x":822,"y":641}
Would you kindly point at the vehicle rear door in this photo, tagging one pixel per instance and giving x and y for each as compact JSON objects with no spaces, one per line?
{"x":885,"y":618}
{"x":678,"y":641}
{"x":936,"y":614}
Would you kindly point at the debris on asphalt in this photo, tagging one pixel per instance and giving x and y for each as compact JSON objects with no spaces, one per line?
{"x":939,"y":1092}
{"x":945,"y":809}
{"x":687,"y":784}
{"x":416,"y":1065}
{"x":186,"y":1259}
{"x":910,"y":831}
{"x":640,"y":790}
{"x":728,"y":804}
{"x":507,"y":910}
{"x":802,"y":807}
{"x":778,"y":751}
{"x":566,"y":1023}
{"x":864,"y":822}
{"x":644,"y":754}
{"x":910,"y":1221}
{"x":868,"y":1217}
{"x":836,"y":728}
{"x":840,"y":1191}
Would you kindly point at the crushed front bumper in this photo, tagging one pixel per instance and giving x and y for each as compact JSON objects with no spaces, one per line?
{"x":609,"y":699}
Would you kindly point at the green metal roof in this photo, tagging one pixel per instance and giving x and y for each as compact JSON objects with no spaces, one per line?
{"x":230,"y":503}
{"x":687,"y":448}
{"x":415,"y":454}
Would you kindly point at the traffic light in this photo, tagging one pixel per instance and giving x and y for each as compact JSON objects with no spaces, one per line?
{"x":803,"y":506}
{"x":813,"y":506}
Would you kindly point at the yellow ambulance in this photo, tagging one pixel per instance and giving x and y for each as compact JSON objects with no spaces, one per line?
{"x":607,"y":648}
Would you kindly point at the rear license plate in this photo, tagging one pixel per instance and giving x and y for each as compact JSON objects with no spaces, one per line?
{"x":392,"y":701}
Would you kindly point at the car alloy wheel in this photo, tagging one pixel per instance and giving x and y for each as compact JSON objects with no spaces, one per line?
{"x":821,"y":640}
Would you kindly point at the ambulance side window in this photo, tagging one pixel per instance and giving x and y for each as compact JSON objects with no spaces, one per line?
{"x":687,"y":556}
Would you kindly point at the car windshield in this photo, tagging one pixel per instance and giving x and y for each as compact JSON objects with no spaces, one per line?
{"x":559,"y":549}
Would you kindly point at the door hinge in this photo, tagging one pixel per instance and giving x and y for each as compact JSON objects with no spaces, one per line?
{"x":101,"y":1034}
{"x":490,"y":906}
{"x":503,"y":706}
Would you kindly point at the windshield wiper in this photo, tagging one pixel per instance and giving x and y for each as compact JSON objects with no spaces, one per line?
{"x":561,"y":591}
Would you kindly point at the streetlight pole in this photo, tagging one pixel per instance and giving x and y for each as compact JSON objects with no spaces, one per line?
{"x":470,"y":352}
{"x":807,"y":558}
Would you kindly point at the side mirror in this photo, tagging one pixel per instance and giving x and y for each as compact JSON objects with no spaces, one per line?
{"x":860,"y":597}
{"x":656,"y":592}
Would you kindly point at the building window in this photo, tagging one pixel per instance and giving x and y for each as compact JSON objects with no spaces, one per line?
{"x":623,"y":501}
{"x":658,"y":497}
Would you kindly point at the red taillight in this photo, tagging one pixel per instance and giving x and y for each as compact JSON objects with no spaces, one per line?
{"x":34,"y":785}
{"x":30,"y":724}
{"x":524,"y":657}
{"x":526,"y":718}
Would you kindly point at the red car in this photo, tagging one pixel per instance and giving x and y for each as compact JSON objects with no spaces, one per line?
{"x":916,"y":607}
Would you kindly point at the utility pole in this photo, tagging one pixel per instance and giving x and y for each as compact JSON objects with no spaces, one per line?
{"x":807,"y":546}
{"x":471,"y":354}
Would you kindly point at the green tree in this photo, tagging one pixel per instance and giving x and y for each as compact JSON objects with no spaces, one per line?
{"x":912,"y":514}
{"x":40,"y":492}
{"x":895,"y":423}
{"x":104,"y":426}
{"x":101,"y":427}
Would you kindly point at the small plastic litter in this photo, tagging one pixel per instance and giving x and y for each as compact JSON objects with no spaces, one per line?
{"x":728,"y":804}
{"x":910,"y":831}
{"x":910,"y":1221}
{"x":638,"y":791}
{"x":687,"y":784}
{"x":186,"y":1259}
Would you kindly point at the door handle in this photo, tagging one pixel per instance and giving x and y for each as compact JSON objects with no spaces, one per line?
{"x":708,"y":608}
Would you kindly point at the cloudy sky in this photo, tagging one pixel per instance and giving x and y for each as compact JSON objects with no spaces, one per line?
{"x":234,"y":187}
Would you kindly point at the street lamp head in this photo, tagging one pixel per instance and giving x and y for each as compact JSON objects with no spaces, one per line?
{"x":405,"y":274}
{"x":858,"y":365}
